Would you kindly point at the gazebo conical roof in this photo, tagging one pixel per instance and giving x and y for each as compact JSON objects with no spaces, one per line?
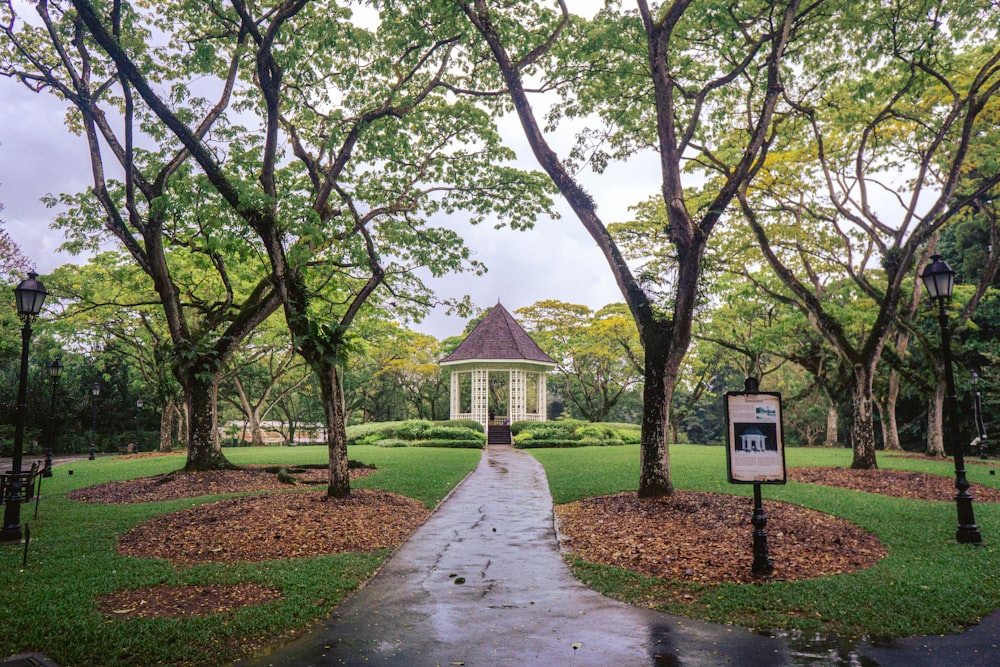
{"x":498,"y":337}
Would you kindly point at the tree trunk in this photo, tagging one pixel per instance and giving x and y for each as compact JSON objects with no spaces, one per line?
{"x":166,"y":426}
{"x":935,"y":422}
{"x":204,"y":448}
{"x":880,"y":406}
{"x":331,"y":389}
{"x":657,"y":393}
{"x":183,"y":419}
{"x":862,"y":421}
{"x":256,"y":432}
{"x":832,"y":417}
{"x":890,"y":428}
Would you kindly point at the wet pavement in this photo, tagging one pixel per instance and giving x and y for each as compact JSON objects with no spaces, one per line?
{"x":482,"y":582}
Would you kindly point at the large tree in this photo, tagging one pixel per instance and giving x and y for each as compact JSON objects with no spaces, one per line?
{"x":351,"y":145}
{"x":157,"y":205}
{"x":881,"y":147}
{"x":699,"y":83}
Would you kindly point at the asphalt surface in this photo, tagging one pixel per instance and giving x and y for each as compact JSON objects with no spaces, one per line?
{"x":482,"y":583}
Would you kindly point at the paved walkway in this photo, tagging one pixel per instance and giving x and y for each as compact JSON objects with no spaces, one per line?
{"x":482,"y":583}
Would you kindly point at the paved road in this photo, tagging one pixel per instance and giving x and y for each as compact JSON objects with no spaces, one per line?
{"x":482,"y":583}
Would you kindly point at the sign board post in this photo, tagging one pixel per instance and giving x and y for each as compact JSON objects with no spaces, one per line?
{"x":755,"y":454}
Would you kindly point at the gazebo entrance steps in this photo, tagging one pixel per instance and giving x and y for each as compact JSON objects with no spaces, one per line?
{"x":499,"y":434}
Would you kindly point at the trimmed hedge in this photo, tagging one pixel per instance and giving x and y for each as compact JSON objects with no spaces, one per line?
{"x":573,"y":433}
{"x":450,"y":444}
{"x":531,"y":443}
{"x":462,"y":423}
{"x":417,"y":433}
{"x":387,"y":442}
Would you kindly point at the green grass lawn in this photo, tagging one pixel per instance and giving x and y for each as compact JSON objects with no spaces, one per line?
{"x":928,"y":584}
{"x":50,"y":604}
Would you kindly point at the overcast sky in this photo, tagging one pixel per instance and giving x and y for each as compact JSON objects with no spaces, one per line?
{"x":555,"y":260}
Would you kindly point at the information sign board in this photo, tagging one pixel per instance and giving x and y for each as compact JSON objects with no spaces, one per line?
{"x":756,"y":450}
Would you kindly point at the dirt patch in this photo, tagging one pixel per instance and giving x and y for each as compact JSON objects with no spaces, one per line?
{"x":707,"y":537}
{"x":183,"y":601}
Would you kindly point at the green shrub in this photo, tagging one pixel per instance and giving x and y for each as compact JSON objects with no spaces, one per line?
{"x":594,"y":432}
{"x":451,"y":444}
{"x":560,"y":430}
{"x":391,"y":442}
{"x":370,"y":432}
{"x":632,"y":436}
{"x":531,"y":443}
{"x":461,"y":423}
{"x":413,"y":429}
{"x":451,"y":433}
{"x":601,"y":442}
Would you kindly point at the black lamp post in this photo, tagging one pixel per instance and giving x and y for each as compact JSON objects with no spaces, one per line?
{"x":95,"y":391}
{"x":977,"y":407}
{"x":939,"y":279}
{"x":55,"y":370}
{"x":30,"y":295}
{"x":138,"y":414}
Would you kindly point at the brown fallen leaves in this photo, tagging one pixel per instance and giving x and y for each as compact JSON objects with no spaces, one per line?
{"x":278,"y":525}
{"x":707,"y":538}
{"x":180,"y":484}
{"x":896,"y":483}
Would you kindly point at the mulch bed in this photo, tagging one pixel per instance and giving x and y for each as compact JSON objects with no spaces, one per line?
{"x":180,"y":484}
{"x":706,"y":537}
{"x":277,"y":525}
{"x":895,"y":483}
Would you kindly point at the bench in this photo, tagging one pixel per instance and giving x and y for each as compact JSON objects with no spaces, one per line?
{"x":27,"y":482}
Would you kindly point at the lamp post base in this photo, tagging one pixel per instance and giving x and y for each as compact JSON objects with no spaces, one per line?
{"x":968,"y":535}
{"x":11,"y":532}
{"x":968,"y":531}
{"x":13,"y":537}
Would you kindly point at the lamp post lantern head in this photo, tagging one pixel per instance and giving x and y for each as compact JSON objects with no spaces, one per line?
{"x":95,"y":389}
{"x":939,"y":278}
{"x":30,"y":295}
{"x":55,"y":369}
{"x":139,"y":403}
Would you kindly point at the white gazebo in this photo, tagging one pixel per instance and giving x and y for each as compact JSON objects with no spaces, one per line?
{"x":753,"y":440}
{"x":498,"y":373}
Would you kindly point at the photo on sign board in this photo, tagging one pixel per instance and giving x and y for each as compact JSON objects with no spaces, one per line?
{"x":754,"y":438}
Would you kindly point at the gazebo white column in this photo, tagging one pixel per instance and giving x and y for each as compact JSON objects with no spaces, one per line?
{"x":543,"y":399}
{"x":456,"y":396}
{"x":480,"y":395}
{"x":518,"y":395}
